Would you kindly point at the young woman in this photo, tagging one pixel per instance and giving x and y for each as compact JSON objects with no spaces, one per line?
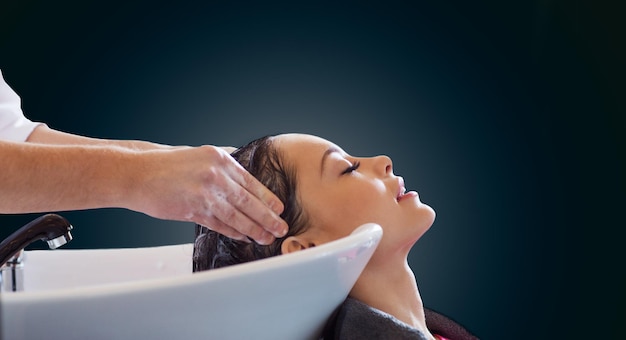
{"x":327,"y":193}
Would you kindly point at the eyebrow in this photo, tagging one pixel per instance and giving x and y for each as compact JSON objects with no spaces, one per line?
{"x":325,"y":155}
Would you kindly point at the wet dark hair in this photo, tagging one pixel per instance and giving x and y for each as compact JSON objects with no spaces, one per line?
{"x":261,"y":158}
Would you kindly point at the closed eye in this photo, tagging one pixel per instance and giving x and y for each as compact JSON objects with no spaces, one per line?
{"x":351,"y":168}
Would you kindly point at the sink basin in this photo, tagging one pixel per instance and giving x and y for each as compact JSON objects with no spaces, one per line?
{"x":151,"y":293}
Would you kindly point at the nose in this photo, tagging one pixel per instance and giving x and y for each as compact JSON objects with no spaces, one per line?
{"x":384,"y":165}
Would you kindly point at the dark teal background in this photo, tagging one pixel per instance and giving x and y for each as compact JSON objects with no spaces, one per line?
{"x":507,"y":116}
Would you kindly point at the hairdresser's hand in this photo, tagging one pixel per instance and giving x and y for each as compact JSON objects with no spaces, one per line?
{"x":207,"y":186}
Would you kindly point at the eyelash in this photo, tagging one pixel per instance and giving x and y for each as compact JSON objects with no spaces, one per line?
{"x":351,"y":168}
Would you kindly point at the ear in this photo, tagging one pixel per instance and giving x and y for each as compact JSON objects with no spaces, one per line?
{"x":295,"y":243}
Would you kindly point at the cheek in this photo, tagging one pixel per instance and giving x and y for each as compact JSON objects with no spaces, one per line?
{"x":341,"y":212}
{"x":363,"y":207}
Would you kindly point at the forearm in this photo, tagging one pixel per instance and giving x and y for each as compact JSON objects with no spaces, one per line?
{"x":45,"y":135}
{"x":204,"y":185}
{"x":38,"y":178}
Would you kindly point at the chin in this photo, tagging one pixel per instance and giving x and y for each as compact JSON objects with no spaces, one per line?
{"x":430,"y":212}
{"x":411,"y":229}
{"x":424,"y":215}
{"x":424,"y":220}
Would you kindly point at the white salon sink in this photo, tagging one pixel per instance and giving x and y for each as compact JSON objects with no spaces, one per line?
{"x":151,"y":293}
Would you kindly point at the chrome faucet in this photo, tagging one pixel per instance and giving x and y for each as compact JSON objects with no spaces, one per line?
{"x":52,"y":228}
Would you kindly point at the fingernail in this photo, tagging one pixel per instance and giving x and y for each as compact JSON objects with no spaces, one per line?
{"x":280,"y":229}
{"x":276,"y":207}
{"x":266,"y":239}
{"x":242,"y":238}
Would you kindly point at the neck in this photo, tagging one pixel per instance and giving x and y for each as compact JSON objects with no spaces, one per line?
{"x":392,"y":289}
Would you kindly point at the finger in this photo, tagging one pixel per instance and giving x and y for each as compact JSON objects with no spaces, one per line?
{"x":258,"y":212}
{"x":248,"y":197}
{"x":234,"y":218}
{"x":257,"y":189}
{"x":220,"y":227}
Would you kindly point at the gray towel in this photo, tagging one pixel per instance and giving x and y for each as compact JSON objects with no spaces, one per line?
{"x":358,"y":321}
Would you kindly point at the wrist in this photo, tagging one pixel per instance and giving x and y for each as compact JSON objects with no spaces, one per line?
{"x":130,"y":178}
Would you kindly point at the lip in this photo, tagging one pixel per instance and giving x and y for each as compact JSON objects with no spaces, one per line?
{"x":401,"y":189}
{"x":402,"y":193}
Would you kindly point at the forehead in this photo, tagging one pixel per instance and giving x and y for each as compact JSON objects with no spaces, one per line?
{"x":302,"y":148}
{"x":298,"y":142}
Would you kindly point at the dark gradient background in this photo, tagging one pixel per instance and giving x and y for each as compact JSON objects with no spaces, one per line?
{"x":507,"y":116}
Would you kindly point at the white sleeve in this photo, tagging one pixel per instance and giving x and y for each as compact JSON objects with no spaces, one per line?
{"x":13,"y":125}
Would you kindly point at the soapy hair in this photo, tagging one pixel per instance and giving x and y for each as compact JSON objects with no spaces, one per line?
{"x":261,"y":158}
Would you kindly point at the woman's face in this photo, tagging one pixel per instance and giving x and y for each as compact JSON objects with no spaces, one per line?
{"x":339,"y":192}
